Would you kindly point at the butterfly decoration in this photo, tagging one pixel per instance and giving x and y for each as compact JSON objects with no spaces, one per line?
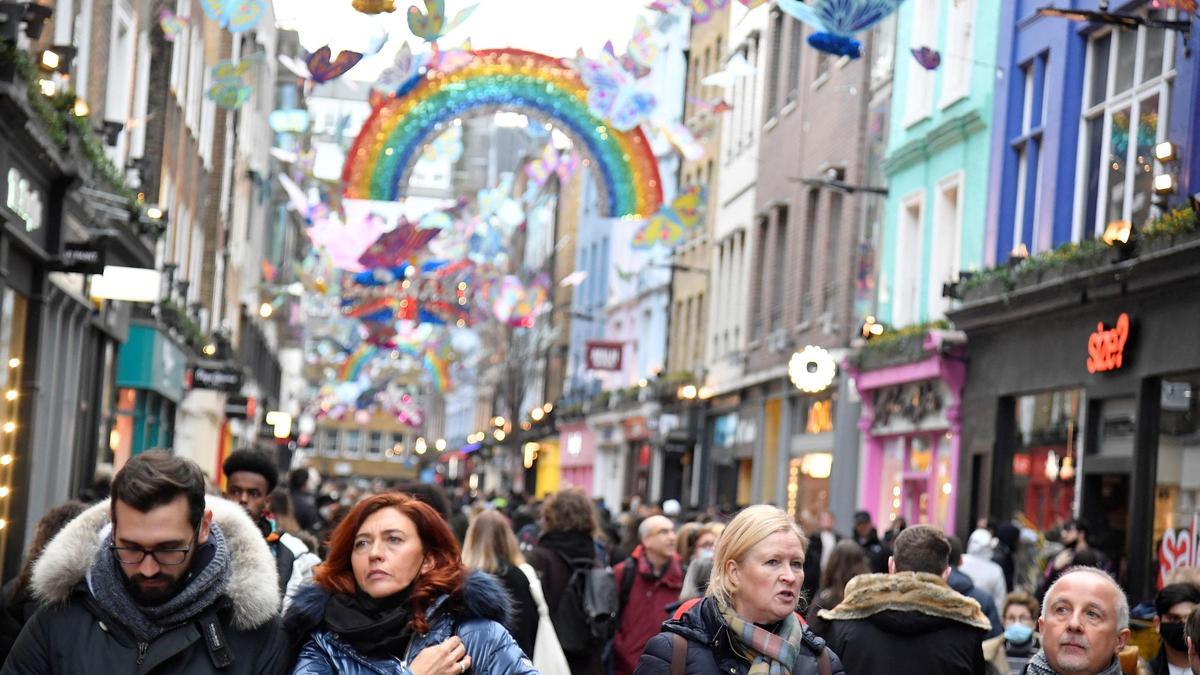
{"x":753,"y":4}
{"x":448,"y":146}
{"x":736,"y":67}
{"x":682,"y":140}
{"x":394,"y":247}
{"x":517,"y":304}
{"x":612,"y":92}
{"x":552,"y":162}
{"x":664,"y":6}
{"x":172,"y":25}
{"x":296,"y":197}
{"x":703,"y":10}
{"x":235,"y":16}
{"x":669,"y":226}
{"x":451,"y":60}
{"x":631,"y":66}
{"x":374,"y":6}
{"x":406,"y":66}
{"x":711,"y":107}
{"x":431,"y":24}
{"x":643,"y":48}
{"x":928,"y":57}
{"x":497,"y":207}
{"x":321,"y":69}
{"x":229,"y":88}
{"x":836,"y":21}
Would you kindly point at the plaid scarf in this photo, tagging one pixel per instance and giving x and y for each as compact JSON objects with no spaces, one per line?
{"x":1040,"y":666}
{"x":774,"y":653}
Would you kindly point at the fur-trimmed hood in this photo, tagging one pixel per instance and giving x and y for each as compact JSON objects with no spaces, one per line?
{"x":868,"y":595}
{"x":253,"y":587}
{"x":482,"y":597}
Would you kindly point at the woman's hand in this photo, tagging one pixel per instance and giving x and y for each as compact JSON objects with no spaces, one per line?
{"x":447,"y":658}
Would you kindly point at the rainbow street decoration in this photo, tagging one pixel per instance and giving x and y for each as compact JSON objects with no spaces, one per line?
{"x":542,"y":87}
{"x":353,"y":365}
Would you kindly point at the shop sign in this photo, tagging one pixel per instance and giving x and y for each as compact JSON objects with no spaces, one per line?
{"x":82,"y":259}
{"x":239,"y":407}
{"x":1106,"y":346}
{"x":820,"y":417}
{"x":914,"y":402}
{"x":1178,"y":549}
{"x":636,"y":429}
{"x":604,"y":355}
{"x":216,"y":379}
{"x":24,"y":200}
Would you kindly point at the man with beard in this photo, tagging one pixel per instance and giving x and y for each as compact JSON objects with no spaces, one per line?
{"x":176,"y":584}
{"x":1084,"y":625}
{"x":1172,"y":606}
{"x":250,"y":477}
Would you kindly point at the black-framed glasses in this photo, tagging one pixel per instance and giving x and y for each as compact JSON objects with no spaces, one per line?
{"x":167,"y":557}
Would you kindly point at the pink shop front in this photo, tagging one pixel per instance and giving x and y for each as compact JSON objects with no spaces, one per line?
{"x":912,"y":430}
{"x":577,"y":456}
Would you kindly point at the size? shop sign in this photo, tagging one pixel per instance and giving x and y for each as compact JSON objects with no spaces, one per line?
{"x":604,"y":355}
{"x":1106,"y":346}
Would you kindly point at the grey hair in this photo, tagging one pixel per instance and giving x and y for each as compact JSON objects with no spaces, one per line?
{"x":1122,"y":601}
{"x":644,"y":526}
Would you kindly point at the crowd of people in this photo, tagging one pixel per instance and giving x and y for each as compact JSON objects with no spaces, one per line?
{"x":164,"y":573}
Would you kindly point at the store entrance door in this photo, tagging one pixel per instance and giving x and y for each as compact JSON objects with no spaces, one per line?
{"x":916,"y":501}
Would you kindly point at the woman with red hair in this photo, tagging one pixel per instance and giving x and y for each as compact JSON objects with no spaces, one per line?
{"x":394,"y":597}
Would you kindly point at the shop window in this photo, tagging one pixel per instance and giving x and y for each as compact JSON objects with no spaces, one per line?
{"x":1177,"y":493}
{"x":906,"y":300}
{"x":1046,"y":457}
{"x":12,"y":363}
{"x":1128,"y":93}
{"x":916,"y":479}
{"x":919,"y":92}
{"x":956,"y":77}
{"x":808,"y":485}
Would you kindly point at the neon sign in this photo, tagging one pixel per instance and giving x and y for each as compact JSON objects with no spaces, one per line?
{"x":1106,"y":346}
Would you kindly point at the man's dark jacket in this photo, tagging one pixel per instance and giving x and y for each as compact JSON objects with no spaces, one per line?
{"x":963,"y":584}
{"x":906,"y":622}
{"x":73,"y":634}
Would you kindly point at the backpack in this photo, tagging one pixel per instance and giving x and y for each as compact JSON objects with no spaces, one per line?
{"x":585,"y":617}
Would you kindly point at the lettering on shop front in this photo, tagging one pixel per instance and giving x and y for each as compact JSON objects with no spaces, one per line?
{"x":1106,"y":346}
{"x":912,"y":402}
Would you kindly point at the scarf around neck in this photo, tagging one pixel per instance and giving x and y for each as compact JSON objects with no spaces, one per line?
{"x":373,"y":627}
{"x":774,"y":653}
{"x":1040,"y":666}
{"x":205,"y":584}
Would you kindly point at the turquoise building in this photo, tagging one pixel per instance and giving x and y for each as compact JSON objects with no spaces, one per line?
{"x":936,"y":164}
{"x":938,"y":155}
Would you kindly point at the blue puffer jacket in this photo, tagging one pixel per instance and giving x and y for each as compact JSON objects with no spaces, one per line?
{"x":484,"y":612}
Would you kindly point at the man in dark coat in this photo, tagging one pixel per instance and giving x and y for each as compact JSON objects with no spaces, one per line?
{"x":868,"y":539}
{"x":1172,"y":605}
{"x":176,"y":585}
{"x":909,"y":619}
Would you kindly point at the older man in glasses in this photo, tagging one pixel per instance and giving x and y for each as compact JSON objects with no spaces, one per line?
{"x":176,"y":584}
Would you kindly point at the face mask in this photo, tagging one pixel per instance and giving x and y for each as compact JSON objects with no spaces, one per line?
{"x":704,"y":553}
{"x":1172,"y":635}
{"x":1018,"y":633}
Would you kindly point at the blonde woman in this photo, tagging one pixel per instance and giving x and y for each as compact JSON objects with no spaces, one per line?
{"x":491,"y":547}
{"x":747,"y":623}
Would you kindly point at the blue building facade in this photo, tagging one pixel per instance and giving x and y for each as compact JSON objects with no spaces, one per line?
{"x":1082,"y":396}
{"x":1063,"y":163}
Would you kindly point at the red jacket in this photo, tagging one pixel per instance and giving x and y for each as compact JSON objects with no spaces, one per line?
{"x":647,"y":610}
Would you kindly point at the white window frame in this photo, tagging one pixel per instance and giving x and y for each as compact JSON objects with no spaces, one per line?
{"x":1131,"y":99}
{"x":959,"y":61}
{"x":346,"y":448}
{"x":906,"y":278}
{"x":919,"y":88}
{"x":119,"y":81}
{"x":376,"y":452}
{"x":941,"y":245}
{"x":324,"y":438}
{"x":196,"y":67}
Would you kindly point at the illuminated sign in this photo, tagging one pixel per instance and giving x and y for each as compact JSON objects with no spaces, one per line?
{"x":812,"y":370}
{"x":1106,"y":346}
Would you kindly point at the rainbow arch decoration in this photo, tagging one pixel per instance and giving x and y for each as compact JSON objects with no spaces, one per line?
{"x":353,"y":366}
{"x":542,"y":87}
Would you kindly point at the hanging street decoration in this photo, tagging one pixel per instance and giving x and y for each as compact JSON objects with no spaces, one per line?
{"x":836,"y":21}
{"x":541,"y":87}
{"x":235,"y":16}
{"x":431,"y":24}
{"x":669,"y":226}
